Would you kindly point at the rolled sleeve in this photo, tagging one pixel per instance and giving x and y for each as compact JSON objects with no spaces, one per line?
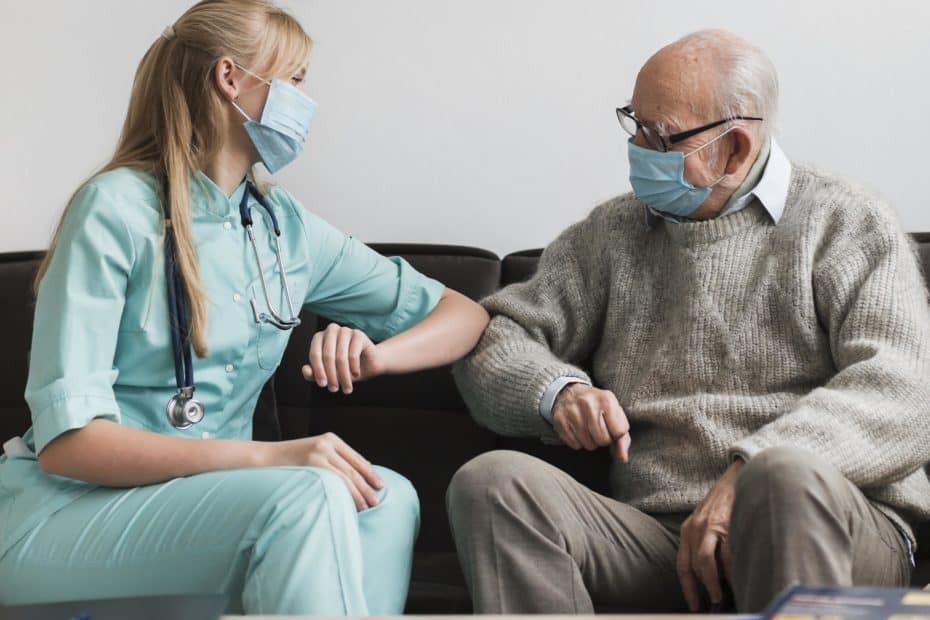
{"x":418,"y":296}
{"x":354,"y":285}
{"x":56,"y":411}
{"x":77,"y":318}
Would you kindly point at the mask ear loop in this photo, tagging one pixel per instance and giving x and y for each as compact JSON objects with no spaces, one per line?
{"x":254,"y":75}
{"x":708,"y":143}
{"x":241,"y":111}
{"x":257,"y":77}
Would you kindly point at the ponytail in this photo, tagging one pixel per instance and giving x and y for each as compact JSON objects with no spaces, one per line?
{"x":172,"y":127}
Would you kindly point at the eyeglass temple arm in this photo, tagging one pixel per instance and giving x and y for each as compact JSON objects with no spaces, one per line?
{"x":684,"y":135}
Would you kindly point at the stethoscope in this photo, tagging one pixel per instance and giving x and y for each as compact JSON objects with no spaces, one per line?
{"x":183,"y":409}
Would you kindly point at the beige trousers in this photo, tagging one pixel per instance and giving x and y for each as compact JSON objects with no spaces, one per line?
{"x":533,"y":540}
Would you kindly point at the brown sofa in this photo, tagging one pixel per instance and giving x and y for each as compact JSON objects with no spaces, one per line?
{"x":415,"y":424}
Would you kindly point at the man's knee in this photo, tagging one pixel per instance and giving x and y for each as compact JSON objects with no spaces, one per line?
{"x":492,"y":477}
{"x":783,"y":475}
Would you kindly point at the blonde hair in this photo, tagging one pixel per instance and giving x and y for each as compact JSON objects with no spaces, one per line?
{"x":172,"y":127}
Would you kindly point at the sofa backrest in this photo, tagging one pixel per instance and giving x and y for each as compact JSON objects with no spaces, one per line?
{"x":416,"y":424}
{"x":17,"y":271}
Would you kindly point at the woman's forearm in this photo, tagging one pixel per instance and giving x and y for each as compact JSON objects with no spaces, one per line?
{"x":111,"y":454}
{"x":450,"y":331}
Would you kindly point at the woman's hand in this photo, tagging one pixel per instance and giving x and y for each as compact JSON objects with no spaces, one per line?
{"x":330,"y":452}
{"x":341,"y":355}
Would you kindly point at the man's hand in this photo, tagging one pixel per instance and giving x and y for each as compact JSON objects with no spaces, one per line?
{"x":704,"y":539}
{"x":340,"y":356}
{"x":589,"y":418}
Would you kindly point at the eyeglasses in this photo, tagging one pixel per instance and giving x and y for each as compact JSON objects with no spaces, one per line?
{"x":656,"y":140}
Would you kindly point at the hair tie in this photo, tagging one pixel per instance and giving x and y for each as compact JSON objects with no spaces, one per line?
{"x":168,"y":33}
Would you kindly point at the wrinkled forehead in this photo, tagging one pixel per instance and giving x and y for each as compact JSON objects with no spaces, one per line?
{"x":674,"y":89}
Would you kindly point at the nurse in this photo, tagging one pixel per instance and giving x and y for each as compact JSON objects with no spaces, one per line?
{"x":105,"y":496}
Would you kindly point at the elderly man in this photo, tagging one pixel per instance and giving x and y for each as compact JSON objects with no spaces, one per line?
{"x":757,"y":334}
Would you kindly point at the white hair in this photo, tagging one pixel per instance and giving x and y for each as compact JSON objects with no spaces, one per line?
{"x":746,"y":85}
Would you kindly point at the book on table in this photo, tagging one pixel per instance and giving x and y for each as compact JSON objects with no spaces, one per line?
{"x":840,"y":603}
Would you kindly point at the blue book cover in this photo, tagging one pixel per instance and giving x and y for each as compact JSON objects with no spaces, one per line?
{"x":839,"y":603}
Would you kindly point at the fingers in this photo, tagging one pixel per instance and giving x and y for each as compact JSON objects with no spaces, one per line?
{"x":362,"y":492}
{"x":355,"y":470}
{"x":614,"y":416}
{"x":357,"y":497}
{"x":597,"y":428}
{"x":697,"y":563}
{"x":685,"y":575}
{"x":335,"y":358}
{"x":359,"y":342}
{"x":590,"y":418}
{"x":316,"y":359}
{"x":618,"y":426}
{"x":704,"y":565}
{"x":725,"y":561}
{"x":362,"y":465}
{"x":330,"y":340}
{"x":622,"y":448}
{"x":343,"y":343}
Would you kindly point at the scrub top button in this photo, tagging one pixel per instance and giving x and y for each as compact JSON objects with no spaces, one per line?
{"x":230,"y":368}
{"x":227,"y":225}
{"x":237,"y":297}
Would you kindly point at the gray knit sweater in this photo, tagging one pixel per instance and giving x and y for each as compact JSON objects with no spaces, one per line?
{"x":726,"y":337}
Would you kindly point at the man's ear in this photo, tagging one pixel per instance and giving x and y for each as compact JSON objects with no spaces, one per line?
{"x":224,"y":78}
{"x":741,"y":143}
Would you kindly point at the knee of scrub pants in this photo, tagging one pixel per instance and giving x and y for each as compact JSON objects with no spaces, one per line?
{"x":388,"y":532}
{"x":309,"y":554}
{"x":399,"y":498}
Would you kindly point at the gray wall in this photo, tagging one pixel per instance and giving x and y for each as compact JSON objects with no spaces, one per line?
{"x":479,"y":122}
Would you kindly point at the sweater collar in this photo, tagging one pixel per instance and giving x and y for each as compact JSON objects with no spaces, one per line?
{"x":697,"y":232}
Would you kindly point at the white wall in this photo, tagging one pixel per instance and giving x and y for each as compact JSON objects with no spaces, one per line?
{"x":478,"y":122}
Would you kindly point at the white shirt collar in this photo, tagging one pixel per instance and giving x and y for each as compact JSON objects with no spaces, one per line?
{"x":772,"y":188}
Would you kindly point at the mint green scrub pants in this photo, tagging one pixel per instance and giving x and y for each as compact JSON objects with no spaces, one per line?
{"x":282,"y":540}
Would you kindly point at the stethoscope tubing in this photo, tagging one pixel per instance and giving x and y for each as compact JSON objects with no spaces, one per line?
{"x":179,"y":314}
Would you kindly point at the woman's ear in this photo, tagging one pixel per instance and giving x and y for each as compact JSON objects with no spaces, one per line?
{"x":742,"y":149}
{"x":224,"y":80}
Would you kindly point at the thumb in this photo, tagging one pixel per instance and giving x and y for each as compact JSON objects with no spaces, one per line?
{"x":369,"y":361}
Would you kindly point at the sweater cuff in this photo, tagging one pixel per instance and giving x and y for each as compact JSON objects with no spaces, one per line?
{"x":534,"y":386}
{"x":552,"y":392}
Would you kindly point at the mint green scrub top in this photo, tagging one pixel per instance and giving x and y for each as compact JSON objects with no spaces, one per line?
{"x":101,"y":341}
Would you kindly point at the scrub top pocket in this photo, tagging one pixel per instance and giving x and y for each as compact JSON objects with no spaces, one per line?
{"x":271,"y":340}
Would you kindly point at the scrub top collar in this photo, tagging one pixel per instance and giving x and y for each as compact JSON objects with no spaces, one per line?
{"x":207,"y":196}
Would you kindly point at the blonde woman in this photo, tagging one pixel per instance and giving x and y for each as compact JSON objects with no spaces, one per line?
{"x":115,"y":491}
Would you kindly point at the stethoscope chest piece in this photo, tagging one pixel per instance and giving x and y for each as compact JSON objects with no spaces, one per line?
{"x":184,"y":410}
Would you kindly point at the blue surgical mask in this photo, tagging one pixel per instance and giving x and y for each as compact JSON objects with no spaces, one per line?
{"x":279,"y":135}
{"x":658,"y":179}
